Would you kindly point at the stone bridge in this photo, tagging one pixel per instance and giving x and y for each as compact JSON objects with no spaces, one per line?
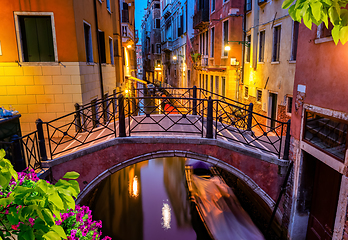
{"x":262,"y":172}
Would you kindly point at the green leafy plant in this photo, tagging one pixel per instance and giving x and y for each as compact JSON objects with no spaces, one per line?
{"x":32,"y":208}
{"x":318,"y":11}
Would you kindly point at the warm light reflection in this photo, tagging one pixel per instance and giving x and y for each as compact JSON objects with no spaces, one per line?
{"x":227,"y":48}
{"x":133,"y":184}
{"x":174,"y":57}
{"x":166,"y":216}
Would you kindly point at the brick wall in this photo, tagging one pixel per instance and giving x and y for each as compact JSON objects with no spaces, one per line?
{"x":50,"y":91}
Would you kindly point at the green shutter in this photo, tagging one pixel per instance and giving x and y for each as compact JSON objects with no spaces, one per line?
{"x":37,"y":39}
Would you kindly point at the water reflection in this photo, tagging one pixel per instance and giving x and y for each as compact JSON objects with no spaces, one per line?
{"x":147,"y":200}
{"x":166,"y":216}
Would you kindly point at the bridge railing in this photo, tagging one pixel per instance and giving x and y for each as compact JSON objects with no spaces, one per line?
{"x":143,"y":110}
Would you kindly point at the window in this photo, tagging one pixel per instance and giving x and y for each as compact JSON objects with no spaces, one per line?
{"x":262,"y":47}
{"x":225,"y":38}
{"x":111,"y":47}
{"x":246,"y":91}
{"x":102,"y":47}
{"x":206,"y":43}
{"x":158,"y":48}
{"x":88,"y":42}
{"x":211,"y":83}
{"x":259,"y":95}
{"x":276,"y":44}
{"x":200,"y":81}
{"x":108,"y":5}
{"x":36,"y":38}
{"x":294,"y":41}
{"x":223,"y":86}
{"x":289,"y":105}
{"x":323,"y":32}
{"x":212,"y":5}
{"x":248,"y":5}
{"x":247,"y":49}
{"x":158,"y":62}
{"x":157,"y":23}
{"x":206,"y":82}
{"x":201,"y":43}
{"x":212,"y":39}
{"x":157,"y":5}
{"x":217,"y":85}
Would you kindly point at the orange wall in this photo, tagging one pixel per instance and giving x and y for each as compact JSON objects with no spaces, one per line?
{"x":323,"y":69}
{"x":64,"y":26}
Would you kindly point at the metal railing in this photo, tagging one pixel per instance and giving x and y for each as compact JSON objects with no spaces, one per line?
{"x":174,"y":111}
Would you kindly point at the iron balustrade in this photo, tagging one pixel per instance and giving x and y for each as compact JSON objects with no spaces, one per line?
{"x":152,"y":110}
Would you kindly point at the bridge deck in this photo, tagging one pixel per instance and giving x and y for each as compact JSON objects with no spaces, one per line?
{"x":168,"y":125}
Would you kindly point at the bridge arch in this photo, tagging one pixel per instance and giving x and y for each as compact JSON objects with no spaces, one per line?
{"x":187,"y":154}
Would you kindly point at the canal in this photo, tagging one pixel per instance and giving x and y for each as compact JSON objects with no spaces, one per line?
{"x":147,"y":200}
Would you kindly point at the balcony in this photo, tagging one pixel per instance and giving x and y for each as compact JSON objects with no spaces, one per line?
{"x":127,"y":32}
{"x":167,"y":45}
{"x":167,"y":11}
{"x":201,"y":19}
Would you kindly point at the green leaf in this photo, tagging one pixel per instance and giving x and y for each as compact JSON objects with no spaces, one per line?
{"x":51,"y":235}
{"x":2,"y":153}
{"x":56,"y":200}
{"x":47,"y":215}
{"x":344,"y":17}
{"x":68,"y":201}
{"x":307,"y":19}
{"x":333,"y":14}
{"x":336,"y":34}
{"x":26,"y":232}
{"x":316,"y":10}
{"x":71,"y":175}
{"x":344,"y":34}
{"x":287,"y":4}
{"x":60,"y":231}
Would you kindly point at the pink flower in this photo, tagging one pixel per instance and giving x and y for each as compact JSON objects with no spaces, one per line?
{"x":32,"y":221}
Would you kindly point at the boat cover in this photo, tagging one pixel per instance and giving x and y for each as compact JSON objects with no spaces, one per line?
{"x":221,"y":210}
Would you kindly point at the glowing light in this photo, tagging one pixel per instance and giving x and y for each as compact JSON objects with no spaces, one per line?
{"x":129,"y":46}
{"x":134,"y":187}
{"x":166,"y":216}
{"x":174,"y":57}
{"x":227,"y":48}
{"x":126,"y":91}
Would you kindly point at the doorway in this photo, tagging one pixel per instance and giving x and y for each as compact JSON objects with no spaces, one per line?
{"x":272,"y":109}
{"x":318,"y":197}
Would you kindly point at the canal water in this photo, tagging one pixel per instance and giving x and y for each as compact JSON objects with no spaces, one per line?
{"x":147,"y":200}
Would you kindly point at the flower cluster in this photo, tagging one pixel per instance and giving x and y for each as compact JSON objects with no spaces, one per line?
{"x":78,"y":224}
{"x":26,"y":179}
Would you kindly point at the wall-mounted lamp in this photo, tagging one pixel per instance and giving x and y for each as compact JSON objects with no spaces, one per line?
{"x":129,"y":46}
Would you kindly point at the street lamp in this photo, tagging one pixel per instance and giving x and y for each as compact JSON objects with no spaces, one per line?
{"x":245,"y":43}
{"x":175,"y":57}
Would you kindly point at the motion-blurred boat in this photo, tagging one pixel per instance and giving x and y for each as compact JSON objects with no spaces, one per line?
{"x":218,"y":207}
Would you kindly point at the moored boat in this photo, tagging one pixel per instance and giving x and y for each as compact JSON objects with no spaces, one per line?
{"x":217,"y":205}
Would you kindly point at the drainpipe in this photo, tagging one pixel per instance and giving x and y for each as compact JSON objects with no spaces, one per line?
{"x":243,"y":50}
{"x":99,"y":50}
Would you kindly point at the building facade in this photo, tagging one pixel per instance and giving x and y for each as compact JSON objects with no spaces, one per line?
{"x":151,"y":42}
{"x":139,"y":56}
{"x":319,"y":138}
{"x":58,"y":53}
{"x":175,"y":23}
{"x":218,"y":46}
{"x":269,"y":59}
